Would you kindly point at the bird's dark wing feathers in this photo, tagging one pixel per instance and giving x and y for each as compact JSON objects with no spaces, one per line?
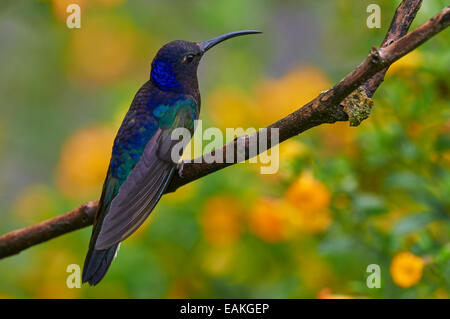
{"x":97,"y":262}
{"x":143,"y":188}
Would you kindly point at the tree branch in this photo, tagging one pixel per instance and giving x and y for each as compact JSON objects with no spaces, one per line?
{"x":18,"y":240}
{"x":329,"y":107}
{"x":404,"y":16}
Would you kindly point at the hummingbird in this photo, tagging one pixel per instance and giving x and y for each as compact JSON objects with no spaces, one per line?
{"x":142,"y":163}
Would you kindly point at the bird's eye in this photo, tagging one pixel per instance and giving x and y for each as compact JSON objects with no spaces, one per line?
{"x":188,"y":58}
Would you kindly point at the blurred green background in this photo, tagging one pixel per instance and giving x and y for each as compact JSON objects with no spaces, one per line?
{"x":343,"y":198}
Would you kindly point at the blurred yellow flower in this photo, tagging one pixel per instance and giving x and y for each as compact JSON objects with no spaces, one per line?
{"x":408,"y":63}
{"x":338,"y":138}
{"x":231,"y":107}
{"x":222,"y":221}
{"x":267,"y":220}
{"x":100,"y":52}
{"x":310,"y":222}
{"x":311,"y":200}
{"x":292,"y":149}
{"x":406,"y":269}
{"x":34,"y":204}
{"x":84,"y":162}
{"x":307,"y":193}
{"x":59,"y":7}
{"x":278,"y":98}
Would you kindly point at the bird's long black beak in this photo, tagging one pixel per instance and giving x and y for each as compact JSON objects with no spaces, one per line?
{"x":208,"y":44}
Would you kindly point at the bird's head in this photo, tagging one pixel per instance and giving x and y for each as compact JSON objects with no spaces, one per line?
{"x":174,"y":67}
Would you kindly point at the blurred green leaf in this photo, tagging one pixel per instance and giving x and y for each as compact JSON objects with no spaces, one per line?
{"x":412,"y":223}
{"x":369,"y":204}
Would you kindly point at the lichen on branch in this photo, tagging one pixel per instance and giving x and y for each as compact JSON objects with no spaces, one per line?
{"x":357,"y":106}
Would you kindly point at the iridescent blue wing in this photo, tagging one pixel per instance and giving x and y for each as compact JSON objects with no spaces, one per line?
{"x":138,"y":127}
{"x":148,"y":180}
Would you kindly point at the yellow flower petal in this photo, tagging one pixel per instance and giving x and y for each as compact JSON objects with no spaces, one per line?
{"x":267,"y":220}
{"x":221,"y":221}
{"x":406,"y":269}
{"x":406,"y":64}
{"x":278,"y":98}
{"x":84,"y":161}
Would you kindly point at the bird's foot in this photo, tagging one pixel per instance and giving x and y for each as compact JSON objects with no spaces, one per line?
{"x":180,"y":166}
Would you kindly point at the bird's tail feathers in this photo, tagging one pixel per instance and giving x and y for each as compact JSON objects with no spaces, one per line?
{"x":97,"y":263}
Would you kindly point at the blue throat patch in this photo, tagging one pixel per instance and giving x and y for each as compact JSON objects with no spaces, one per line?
{"x":163,"y":75}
